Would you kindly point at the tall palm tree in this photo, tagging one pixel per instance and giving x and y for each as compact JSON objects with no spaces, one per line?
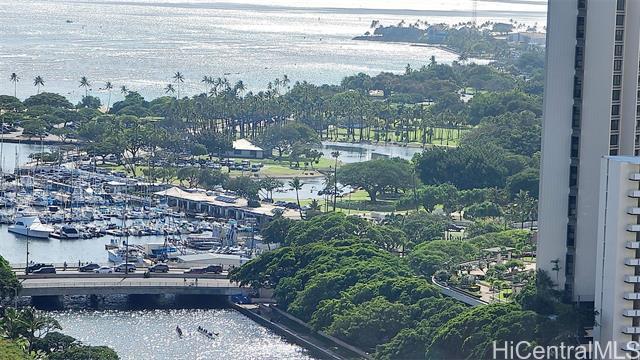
{"x":296,"y":184}
{"x":14,"y":78}
{"x":169,"y":89}
{"x":178,"y":78}
{"x":85,"y":83}
{"x":124,"y":90}
{"x":37,"y":82}
{"x":239,"y":87}
{"x":335,"y":155}
{"x":108,"y":86}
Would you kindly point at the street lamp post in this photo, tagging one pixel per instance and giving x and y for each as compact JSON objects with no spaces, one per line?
{"x":26,"y":269}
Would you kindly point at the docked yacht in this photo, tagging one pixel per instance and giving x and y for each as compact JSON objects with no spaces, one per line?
{"x":30,"y":226}
{"x":66,"y":232}
{"x":119,"y":255}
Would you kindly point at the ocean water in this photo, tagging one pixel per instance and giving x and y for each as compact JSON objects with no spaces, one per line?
{"x":142,"y":43}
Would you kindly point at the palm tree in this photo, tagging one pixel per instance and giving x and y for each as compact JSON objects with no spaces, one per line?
{"x":239,"y":87}
{"x":178,"y":78}
{"x":37,"y":82}
{"x":85,"y":83}
{"x":169,"y":89}
{"x":124,"y":90}
{"x":108,"y":86}
{"x":14,"y":79}
{"x":335,"y":155}
{"x":296,"y":184}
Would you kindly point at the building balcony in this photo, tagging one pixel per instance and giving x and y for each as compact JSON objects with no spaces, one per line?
{"x":634,"y":177}
{"x":632,"y":279}
{"x":632,"y":296}
{"x":633,"y":245}
{"x":631,"y":313}
{"x":633,"y":211}
{"x":632,"y":262}
{"x":631,"y":330}
{"x":634,"y":194}
{"x":633,"y":228}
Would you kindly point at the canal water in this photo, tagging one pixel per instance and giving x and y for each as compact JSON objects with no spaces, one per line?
{"x":150,"y":334}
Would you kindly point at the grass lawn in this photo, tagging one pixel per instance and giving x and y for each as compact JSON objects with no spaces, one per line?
{"x":441,"y":136}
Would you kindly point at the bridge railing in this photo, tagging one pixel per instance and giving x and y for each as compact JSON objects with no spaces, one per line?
{"x":94,"y":284}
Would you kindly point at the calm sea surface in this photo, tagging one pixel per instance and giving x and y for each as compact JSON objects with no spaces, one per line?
{"x":140,"y":44}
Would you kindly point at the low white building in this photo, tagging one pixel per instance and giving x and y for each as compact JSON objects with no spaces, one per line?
{"x":617,"y":298}
{"x":246,"y":149}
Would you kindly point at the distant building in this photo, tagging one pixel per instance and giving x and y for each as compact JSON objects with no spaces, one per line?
{"x":222,"y":205}
{"x":376,"y":93}
{"x":246,"y":149}
{"x":529,"y":38}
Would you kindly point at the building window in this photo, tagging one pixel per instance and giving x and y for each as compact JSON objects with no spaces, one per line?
{"x":573,"y":175}
{"x":580,"y":28}
{"x":568,"y":270}
{"x":613,"y":152}
{"x":619,"y":20}
{"x":579,"y":56}
{"x":613,"y":140}
{"x":620,"y":5}
{"x":615,"y":95}
{"x":619,"y":35}
{"x":575,"y":146}
{"x":615,"y":125}
{"x":617,"y":80}
{"x":615,"y":110}
{"x":577,"y":87}
{"x":575,"y":116}
{"x":617,"y":50}
{"x":572,"y":205}
{"x":617,"y":65}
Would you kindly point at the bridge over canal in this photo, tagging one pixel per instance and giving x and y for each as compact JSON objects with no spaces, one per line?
{"x":109,"y":284}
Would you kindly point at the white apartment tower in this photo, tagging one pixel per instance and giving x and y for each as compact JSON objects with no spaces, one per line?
{"x":617,"y":300}
{"x":590,"y":111}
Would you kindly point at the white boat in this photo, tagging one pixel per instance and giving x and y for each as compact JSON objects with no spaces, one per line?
{"x":119,"y":255}
{"x":66,"y":232}
{"x":30,"y":226}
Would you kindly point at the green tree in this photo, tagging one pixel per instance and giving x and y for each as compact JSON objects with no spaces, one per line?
{"x":377,"y":176}
{"x":85,"y":84}
{"x":14,"y":78}
{"x":37,"y":82}
{"x":296,"y":185}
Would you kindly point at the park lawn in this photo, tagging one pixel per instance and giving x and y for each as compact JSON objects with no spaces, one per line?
{"x":441,"y":137}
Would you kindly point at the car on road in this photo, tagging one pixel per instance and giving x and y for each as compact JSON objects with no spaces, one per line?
{"x":125,"y":267}
{"x":88,"y":267}
{"x":45,"y":270}
{"x":161,"y":268}
{"x":33,"y":267}
{"x":211,"y":269}
{"x":215,"y":269}
{"x":103,"y":270}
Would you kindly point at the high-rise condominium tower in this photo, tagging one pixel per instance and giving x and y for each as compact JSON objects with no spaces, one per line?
{"x":590,"y":110}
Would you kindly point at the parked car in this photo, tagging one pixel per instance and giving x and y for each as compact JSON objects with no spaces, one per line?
{"x":125,"y":267}
{"x":88,"y":267}
{"x":45,"y":270}
{"x":162,"y":268}
{"x":103,"y":270}
{"x":34,"y":267}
